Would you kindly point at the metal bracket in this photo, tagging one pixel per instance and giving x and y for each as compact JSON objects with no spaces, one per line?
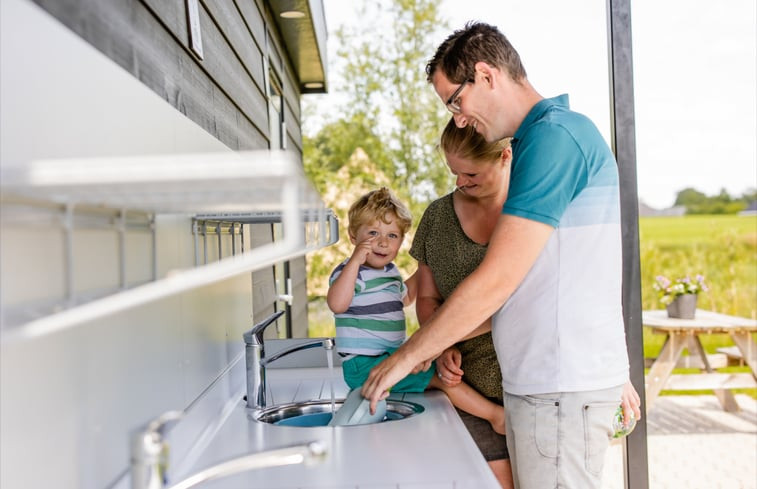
{"x":195,"y":31}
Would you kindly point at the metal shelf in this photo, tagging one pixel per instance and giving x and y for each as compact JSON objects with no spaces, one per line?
{"x":249,"y":187}
{"x":210,"y":183}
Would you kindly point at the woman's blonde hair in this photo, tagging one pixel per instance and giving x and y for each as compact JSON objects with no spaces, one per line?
{"x":466,"y":143}
{"x":377,"y":205}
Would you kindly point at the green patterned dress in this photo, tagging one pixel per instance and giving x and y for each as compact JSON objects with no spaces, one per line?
{"x":441,"y":243}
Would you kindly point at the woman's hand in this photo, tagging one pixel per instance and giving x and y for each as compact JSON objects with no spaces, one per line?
{"x":448,"y":367}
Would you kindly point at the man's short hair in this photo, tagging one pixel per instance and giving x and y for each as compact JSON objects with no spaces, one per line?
{"x":458,"y":54}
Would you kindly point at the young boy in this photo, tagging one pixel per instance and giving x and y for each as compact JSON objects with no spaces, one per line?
{"x":367,"y":296}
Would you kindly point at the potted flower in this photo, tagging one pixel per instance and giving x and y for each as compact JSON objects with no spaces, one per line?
{"x":680,"y":295}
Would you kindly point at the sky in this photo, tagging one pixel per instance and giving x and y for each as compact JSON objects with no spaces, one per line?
{"x":695,"y":79}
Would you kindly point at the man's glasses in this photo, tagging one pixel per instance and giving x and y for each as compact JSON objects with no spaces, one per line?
{"x":453,"y":102}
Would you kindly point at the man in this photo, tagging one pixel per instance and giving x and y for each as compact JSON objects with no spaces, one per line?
{"x":551,"y":277}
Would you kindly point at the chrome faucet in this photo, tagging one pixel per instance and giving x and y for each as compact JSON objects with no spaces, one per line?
{"x":149,"y":452}
{"x":256,"y":360}
{"x":149,"y":458}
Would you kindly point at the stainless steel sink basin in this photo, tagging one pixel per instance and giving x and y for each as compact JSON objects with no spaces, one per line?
{"x":318,"y":413}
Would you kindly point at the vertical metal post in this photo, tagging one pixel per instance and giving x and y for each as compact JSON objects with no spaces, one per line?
{"x":232,"y":230}
{"x":241,"y":238}
{"x":220,"y":243}
{"x":624,"y":146}
{"x":195,"y":234}
{"x":205,"y":242}
{"x":323,"y":221}
{"x":121,"y":229}
{"x":154,"y":239}
{"x":68,"y":244}
{"x":288,"y":306}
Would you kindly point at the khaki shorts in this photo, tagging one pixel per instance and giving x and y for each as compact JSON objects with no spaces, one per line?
{"x":560,"y":440}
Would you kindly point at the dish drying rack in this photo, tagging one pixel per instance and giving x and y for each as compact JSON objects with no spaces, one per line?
{"x":219,"y":191}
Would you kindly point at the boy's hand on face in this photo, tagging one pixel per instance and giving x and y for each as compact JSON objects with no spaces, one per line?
{"x":362,"y":250}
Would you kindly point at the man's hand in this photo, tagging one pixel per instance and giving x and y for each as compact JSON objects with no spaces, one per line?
{"x":448,"y":366}
{"x":631,"y":402}
{"x":422,"y":367}
{"x":384,"y":375}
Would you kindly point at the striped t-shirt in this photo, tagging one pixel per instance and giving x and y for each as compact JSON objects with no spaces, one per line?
{"x":375,"y":320}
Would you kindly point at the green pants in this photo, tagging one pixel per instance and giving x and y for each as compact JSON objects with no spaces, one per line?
{"x":356,"y":370}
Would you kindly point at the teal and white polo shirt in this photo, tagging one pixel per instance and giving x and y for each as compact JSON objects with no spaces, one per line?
{"x":562,"y":330}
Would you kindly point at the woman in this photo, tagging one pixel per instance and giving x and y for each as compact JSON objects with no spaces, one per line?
{"x":449,"y":244}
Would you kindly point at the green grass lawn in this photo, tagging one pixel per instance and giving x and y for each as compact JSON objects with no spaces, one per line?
{"x":687,"y":229}
{"x":723,"y":249}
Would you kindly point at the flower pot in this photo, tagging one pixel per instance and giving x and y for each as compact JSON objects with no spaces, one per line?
{"x":683,"y":306}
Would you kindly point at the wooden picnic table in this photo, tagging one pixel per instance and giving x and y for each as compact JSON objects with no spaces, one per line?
{"x":684,"y":333}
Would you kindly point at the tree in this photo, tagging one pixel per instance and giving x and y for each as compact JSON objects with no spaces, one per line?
{"x":698,"y":203}
{"x":333,"y":146}
{"x":385,"y":133}
{"x":356,"y":177}
{"x":390,"y":111}
{"x":690,"y":197}
{"x":416,"y":107}
{"x":749,"y":196}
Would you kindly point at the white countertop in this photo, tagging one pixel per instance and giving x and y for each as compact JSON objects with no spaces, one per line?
{"x":428,"y":450}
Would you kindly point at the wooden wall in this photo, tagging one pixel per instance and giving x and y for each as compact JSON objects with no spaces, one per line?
{"x":225,"y":92}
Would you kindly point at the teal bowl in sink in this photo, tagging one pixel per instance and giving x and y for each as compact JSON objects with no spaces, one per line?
{"x":318,"y":413}
{"x":313,"y":419}
{"x":323,"y":419}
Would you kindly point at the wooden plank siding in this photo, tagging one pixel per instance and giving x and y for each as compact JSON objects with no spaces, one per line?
{"x":294,"y":134}
{"x":290,"y":94}
{"x":252,"y":13}
{"x":298,"y":271}
{"x":263,"y":281}
{"x":283,"y":69}
{"x":232,"y":60}
{"x":274,"y":48}
{"x":225,"y":92}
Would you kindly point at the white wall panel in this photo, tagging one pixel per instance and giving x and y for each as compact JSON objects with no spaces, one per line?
{"x":69,"y":401}
{"x":38,"y":277}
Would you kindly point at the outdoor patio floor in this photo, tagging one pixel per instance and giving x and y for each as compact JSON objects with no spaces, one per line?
{"x":692,"y":443}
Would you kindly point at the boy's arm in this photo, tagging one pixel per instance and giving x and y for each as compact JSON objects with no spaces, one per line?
{"x":342,"y":290}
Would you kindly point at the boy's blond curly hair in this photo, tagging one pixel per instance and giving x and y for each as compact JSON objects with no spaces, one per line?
{"x":376,"y":205}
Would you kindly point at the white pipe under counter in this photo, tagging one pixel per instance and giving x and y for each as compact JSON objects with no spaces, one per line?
{"x":428,"y":450}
